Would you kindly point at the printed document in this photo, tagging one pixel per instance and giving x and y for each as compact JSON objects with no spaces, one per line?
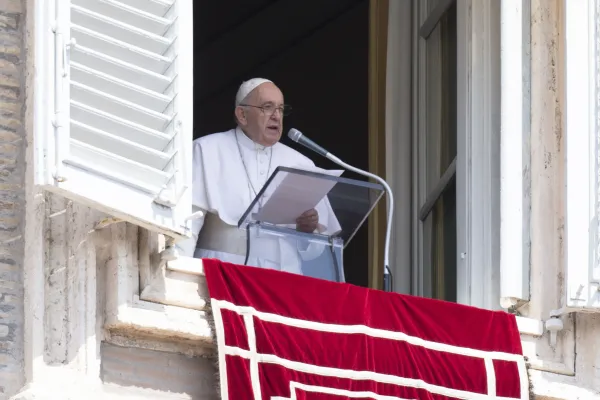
{"x":291,"y":194}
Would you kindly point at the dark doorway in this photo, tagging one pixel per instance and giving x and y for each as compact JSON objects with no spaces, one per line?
{"x":316,"y":51}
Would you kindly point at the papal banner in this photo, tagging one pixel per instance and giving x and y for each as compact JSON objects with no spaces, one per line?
{"x":283,"y":336}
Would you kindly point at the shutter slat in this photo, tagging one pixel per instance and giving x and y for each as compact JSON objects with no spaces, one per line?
{"x":134,"y":74}
{"x":105,"y":163}
{"x":117,"y":107}
{"x":155,"y":7}
{"x":119,"y":146}
{"x":119,"y":30}
{"x":121,"y":50}
{"x":109,"y":111}
{"x":120,"y":88}
{"x":130,"y":15}
{"x":119,"y":126}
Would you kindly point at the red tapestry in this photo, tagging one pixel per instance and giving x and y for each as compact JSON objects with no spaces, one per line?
{"x":283,"y":336}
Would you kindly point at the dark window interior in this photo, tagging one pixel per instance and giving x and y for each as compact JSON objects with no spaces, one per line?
{"x":316,"y":51}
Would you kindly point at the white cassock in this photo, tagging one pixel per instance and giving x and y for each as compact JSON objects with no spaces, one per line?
{"x":221,"y":189}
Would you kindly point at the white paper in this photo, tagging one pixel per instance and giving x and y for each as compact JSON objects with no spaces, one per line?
{"x":289,"y":195}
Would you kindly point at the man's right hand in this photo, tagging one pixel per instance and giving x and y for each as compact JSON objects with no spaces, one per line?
{"x":308,"y":221}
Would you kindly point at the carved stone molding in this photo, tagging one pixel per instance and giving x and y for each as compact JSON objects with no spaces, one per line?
{"x":173,"y":304}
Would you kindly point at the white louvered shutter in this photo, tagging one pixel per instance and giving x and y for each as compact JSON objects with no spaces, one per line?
{"x":123,"y":105}
{"x":582,"y":225}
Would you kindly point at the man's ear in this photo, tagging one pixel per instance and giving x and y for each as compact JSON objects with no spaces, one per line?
{"x":240,"y":115}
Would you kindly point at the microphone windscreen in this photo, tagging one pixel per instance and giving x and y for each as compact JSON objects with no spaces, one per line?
{"x":294,"y":134}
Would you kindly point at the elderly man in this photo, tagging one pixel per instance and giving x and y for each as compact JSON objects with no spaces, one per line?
{"x":229,"y":170}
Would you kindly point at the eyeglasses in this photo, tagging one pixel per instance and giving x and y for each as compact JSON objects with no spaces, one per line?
{"x":270,"y":109}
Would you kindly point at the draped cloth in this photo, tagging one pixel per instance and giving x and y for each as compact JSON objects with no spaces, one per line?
{"x":229,"y":169}
{"x":283,"y":336}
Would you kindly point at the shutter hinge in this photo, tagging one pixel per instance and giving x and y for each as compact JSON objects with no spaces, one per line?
{"x":169,"y":201}
{"x":188,"y":220}
{"x":66,"y":52}
{"x":58,"y":124}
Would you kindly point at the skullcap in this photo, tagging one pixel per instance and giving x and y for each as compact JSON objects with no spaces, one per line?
{"x":247,"y":87}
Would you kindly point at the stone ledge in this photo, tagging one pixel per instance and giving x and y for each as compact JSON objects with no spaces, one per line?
{"x":76,"y":387}
{"x":161,"y":321}
{"x":549,"y":386}
{"x":188,"y":265}
{"x":530,"y":326}
{"x":179,"y":283}
{"x":139,"y":340}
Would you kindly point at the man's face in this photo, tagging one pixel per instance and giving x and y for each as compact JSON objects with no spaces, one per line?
{"x":263,"y":117}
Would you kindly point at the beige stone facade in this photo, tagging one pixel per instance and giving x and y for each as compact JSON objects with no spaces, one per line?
{"x":12,"y":179}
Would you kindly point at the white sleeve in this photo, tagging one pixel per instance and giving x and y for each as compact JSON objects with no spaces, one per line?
{"x":310,"y":252}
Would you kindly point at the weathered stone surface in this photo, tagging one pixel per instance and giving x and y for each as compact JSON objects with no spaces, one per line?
{"x":12,"y":199}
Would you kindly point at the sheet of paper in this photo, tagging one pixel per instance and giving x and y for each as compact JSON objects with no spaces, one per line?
{"x":294,"y":194}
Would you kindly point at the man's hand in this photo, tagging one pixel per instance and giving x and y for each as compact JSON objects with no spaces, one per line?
{"x":307,"y":222}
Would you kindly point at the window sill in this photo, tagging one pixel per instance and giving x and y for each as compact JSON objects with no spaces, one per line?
{"x":179,"y":283}
{"x":160,"y":321}
{"x":530,"y":326}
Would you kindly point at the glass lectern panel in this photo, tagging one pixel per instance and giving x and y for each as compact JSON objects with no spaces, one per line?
{"x":343,"y":204}
{"x":311,"y":255}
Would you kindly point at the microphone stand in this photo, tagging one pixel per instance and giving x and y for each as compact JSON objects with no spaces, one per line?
{"x":388,"y":278}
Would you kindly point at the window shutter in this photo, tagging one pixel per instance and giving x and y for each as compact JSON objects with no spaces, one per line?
{"x":122,"y":121}
{"x":581,"y":163}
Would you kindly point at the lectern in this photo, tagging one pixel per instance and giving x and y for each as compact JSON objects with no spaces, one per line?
{"x":343,"y":205}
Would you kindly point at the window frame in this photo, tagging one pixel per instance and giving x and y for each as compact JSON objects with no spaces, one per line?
{"x":425,"y":200}
{"x":477,"y":161}
{"x":478,"y":164}
{"x":581,"y":156}
{"x":515,"y":202}
{"x":428,"y":197}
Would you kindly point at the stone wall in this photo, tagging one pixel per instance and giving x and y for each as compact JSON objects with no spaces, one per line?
{"x":162,"y":374}
{"x":570,"y":369}
{"x":79,"y":255}
{"x":12,"y":199}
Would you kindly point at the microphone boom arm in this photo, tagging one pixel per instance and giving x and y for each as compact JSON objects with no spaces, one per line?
{"x":298,"y":137}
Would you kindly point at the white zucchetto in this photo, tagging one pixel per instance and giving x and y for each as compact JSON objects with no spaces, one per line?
{"x":247,"y":87}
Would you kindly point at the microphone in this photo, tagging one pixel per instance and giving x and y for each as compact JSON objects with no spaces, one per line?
{"x":300,"y":138}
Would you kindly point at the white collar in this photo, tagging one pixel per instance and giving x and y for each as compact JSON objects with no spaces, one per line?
{"x":248,"y":143}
